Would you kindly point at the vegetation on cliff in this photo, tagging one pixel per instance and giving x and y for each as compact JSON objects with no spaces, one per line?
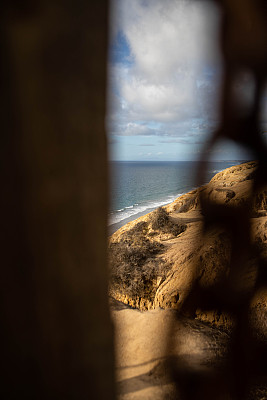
{"x":137,"y":268}
{"x":156,"y":260}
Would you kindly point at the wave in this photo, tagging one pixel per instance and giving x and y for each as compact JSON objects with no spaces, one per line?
{"x":137,"y":208}
{"x":133,"y":210}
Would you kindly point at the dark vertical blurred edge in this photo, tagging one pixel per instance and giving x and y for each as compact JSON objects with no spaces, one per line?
{"x":57,"y":336}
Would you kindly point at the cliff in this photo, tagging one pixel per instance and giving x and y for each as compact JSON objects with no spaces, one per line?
{"x":155,"y":260}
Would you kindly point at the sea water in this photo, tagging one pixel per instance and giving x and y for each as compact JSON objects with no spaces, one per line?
{"x":139,"y":187}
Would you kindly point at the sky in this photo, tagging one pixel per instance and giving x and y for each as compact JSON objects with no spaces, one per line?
{"x":164,"y":78}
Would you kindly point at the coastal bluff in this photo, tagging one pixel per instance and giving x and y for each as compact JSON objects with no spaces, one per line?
{"x":156,"y":259}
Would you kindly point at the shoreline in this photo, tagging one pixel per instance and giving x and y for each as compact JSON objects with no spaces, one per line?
{"x":153,"y":271}
{"x":114,"y":227}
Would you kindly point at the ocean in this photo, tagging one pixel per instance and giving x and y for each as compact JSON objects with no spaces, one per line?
{"x":137,"y":188}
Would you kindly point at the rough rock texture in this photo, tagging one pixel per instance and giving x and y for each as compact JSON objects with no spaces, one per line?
{"x":171,"y":256}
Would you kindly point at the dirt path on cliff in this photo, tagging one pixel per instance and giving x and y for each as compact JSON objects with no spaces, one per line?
{"x":145,"y":340}
{"x":186,"y":218}
{"x":142,"y":345}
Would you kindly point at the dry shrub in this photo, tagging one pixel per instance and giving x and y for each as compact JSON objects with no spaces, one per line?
{"x":133,"y":267}
{"x":159,"y":218}
{"x":134,"y":262}
{"x":160,"y":221}
{"x":134,"y":247}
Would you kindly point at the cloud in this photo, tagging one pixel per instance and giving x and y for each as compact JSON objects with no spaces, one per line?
{"x":166,"y":102}
{"x":165,"y":36}
{"x":133,"y":129}
{"x":165,"y":80}
{"x":129,"y":129}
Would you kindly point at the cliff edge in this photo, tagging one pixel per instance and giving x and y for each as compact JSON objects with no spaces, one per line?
{"x":155,"y":260}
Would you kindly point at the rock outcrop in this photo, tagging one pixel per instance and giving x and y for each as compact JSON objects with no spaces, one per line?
{"x":156,"y":259}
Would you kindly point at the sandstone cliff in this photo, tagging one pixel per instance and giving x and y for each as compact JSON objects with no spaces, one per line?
{"x":156,"y":259}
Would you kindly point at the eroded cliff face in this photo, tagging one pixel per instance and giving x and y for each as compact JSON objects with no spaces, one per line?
{"x":137,"y":258}
{"x":156,"y":259}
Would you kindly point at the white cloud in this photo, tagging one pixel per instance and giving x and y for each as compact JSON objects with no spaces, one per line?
{"x":166,"y":35}
{"x":171,"y":43}
{"x":133,"y":129}
{"x":129,"y":129}
{"x":160,"y":102}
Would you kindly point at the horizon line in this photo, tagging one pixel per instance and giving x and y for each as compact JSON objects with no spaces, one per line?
{"x":235,"y":159}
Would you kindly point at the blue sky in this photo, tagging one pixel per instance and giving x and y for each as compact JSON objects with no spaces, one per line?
{"x":164,"y":80}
